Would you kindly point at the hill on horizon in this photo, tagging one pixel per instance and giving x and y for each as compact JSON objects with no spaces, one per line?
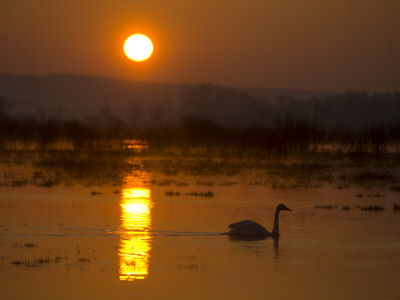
{"x":104,"y":101}
{"x":63,"y":96}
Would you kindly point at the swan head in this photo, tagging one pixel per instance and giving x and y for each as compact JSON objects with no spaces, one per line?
{"x":282,"y":207}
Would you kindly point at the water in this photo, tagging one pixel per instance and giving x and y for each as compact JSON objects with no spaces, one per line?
{"x":137,"y":240}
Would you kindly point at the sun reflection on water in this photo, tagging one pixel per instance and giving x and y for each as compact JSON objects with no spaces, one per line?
{"x":135,"y":239}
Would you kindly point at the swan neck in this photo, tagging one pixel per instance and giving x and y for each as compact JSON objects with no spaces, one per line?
{"x":275,"y":230}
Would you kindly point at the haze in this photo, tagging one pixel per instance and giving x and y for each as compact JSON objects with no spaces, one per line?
{"x":312,"y":45}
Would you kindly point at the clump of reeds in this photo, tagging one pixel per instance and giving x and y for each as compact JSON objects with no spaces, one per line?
{"x":84,"y":259}
{"x":201,"y":194}
{"x":395,"y":188}
{"x":377,"y":195}
{"x":329,"y":206}
{"x":37,"y":262}
{"x":19,"y":183}
{"x":205,"y":183}
{"x":228,"y":183}
{"x":372,"y":208}
{"x":171,"y":193}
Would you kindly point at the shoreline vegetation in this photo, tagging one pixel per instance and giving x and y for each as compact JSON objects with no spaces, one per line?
{"x":285,"y":137}
{"x":289,"y":155}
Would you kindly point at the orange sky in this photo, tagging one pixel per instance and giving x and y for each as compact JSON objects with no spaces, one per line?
{"x":297,"y":44}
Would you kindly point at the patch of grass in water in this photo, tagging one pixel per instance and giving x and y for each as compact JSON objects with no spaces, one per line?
{"x":395,"y":188}
{"x":325,"y":206}
{"x":342,"y":186}
{"x":58,"y":259}
{"x":40,"y":261}
{"x":201,"y":194}
{"x":171,"y":193}
{"x":255,"y":183}
{"x":372,"y":176}
{"x":43,"y":261}
{"x":48,"y":183}
{"x":278,"y":186}
{"x":377,"y":195}
{"x":19,"y":183}
{"x":164,"y":183}
{"x":228,"y":183}
{"x":372,"y":208}
{"x":84,"y":259}
{"x":205,"y":183}
{"x":33,"y":263}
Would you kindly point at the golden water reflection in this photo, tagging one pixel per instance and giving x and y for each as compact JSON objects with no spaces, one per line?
{"x":135,"y":238}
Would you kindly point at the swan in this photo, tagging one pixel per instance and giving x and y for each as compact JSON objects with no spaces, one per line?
{"x":251,"y":228}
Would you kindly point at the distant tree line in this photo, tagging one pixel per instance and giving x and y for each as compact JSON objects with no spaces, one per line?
{"x":218,"y":117}
{"x":351,"y":110}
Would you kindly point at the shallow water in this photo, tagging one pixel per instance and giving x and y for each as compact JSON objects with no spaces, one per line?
{"x":137,"y":240}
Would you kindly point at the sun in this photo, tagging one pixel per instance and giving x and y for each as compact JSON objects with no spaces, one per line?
{"x":138,"y":47}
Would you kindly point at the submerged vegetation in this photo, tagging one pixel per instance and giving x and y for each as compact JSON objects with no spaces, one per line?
{"x":374,"y":208}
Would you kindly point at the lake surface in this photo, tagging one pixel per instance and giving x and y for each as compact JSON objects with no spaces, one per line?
{"x":157,"y":235}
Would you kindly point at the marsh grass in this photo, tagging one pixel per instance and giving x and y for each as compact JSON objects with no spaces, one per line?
{"x":171,"y":193}
{"x":395,"y":188}
{"x":374,"y":208}
{"x":83,"y":165}
{"x":329,"y":206}
{"x":36,"y":262}
{"x":84,"y":259}
{"x":106,"y":155}
{"x":205,"y":183}
{"x":367,"y":208}
{"x":44,"y":261}
{"x":294,"y":172}
{"x":95,"y":193}
{"x":201,"y":194}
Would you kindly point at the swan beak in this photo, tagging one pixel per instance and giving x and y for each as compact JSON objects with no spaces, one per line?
{"x":287,"y":208}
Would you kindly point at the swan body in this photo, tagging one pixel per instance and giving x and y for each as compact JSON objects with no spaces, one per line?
{"x":251,"y":228}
